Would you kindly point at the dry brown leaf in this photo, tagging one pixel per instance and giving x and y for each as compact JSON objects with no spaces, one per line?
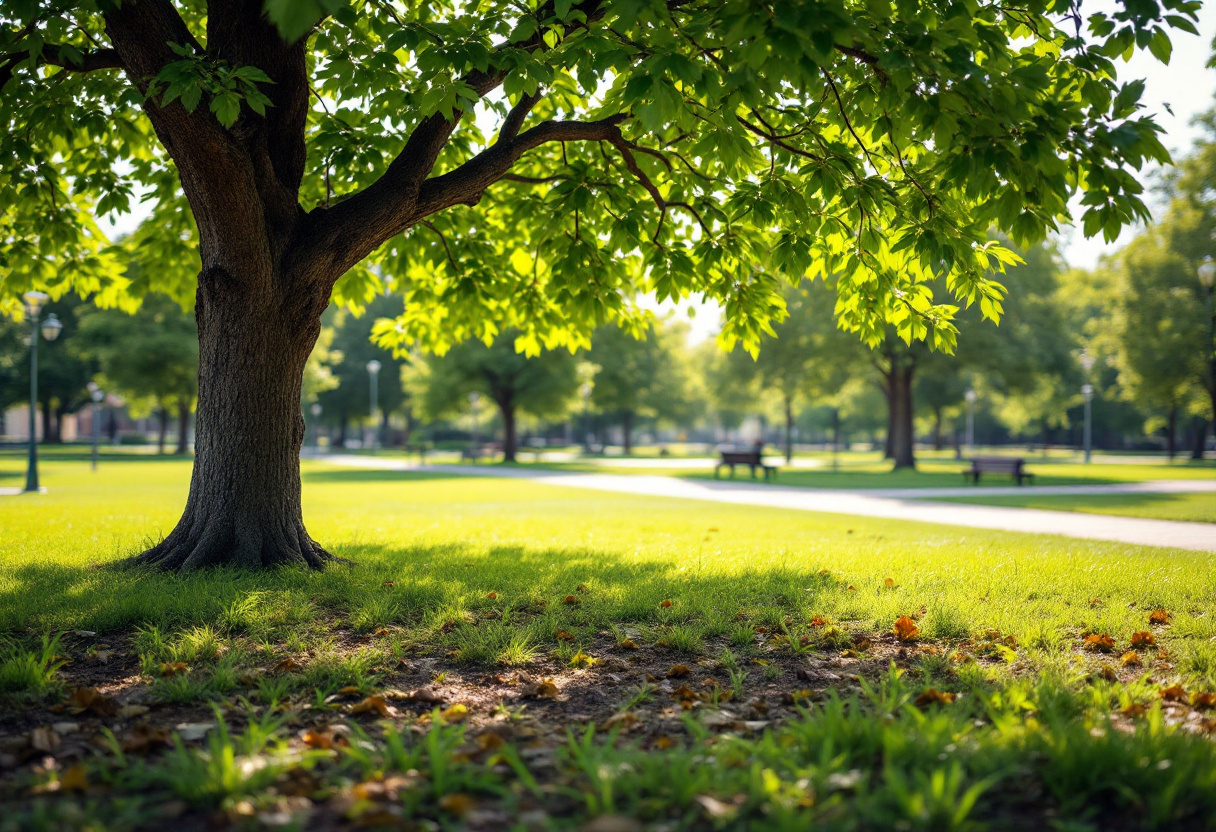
{"x":1174,"y":693}
{"x":562,"y":635}
{"x":456,"y":804}
{"x":905,"y":628}
{"x":544,"y":689}
{"x":456,"y":713}
{"x":370,"y":705}
{"x":570,"y":599}
{"x":582,"y":659}
{"x":388,"y":583}
{"x":287,"y":665}
{"x":1159,"y":616}
{"x":1135,"y":709}
{"x":321,"y":739}
{"x":1203,"y":699}
{"x":818,"y":621}
{"x":427,"y":695}
{"x":74,"y":779}
{"x":889,"y":582}
{"x":1143,"y":639}
{"x":349,"y":690}
{"x":627,"y":644}
{"x":852,"y":588}
{"x":666,"y":602}
{"x":581,"y":588}
{"x":677,"y":671}
{"x":1099,"y":643}
{"x":91,"y":699}
{"x":44,"y":739}
{"x":383,"y":631}
{"x":491,"y":595}
{"x":1130,"y":659}
{"x":684,"y":692}
{"x":128,"y":711}
{"x":664,"y":742}
{"x":626,"y":721}
{"x":490,"y":741}
{"x":173,"y":668}
{"x":935,"y":696}
{"x":143,"y":738}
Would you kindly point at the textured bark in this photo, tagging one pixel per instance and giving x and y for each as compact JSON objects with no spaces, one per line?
{"x":162,"y":431}
{"x":1200,"y":426}
{"x":510,"y":442}
{"x":244,"y":502}
{"x":183,"y":427}
{"x":1171,"y":433}
{"x":901,"y":434}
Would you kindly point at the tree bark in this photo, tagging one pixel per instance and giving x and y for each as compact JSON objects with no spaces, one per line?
{"x":244,"y":503}
{"x":938,"y":442}
{"x":509,"y":442}
{"x":901,"y":434}
{"x":1201,"y":434}
{"x":183,"y":427}
{"x":50,"y":432}
{"x":1171,"y":433}
{"x":627,"y":430}
{"x":163,"y":430}
{"x":789,"y":430}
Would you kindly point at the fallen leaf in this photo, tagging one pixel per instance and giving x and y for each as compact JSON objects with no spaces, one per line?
{"x":684,"y":692}
{"x":1203,"y":699}
{"x":665,"y":603}
{"x":664,"y":742}
{"x":1130,"y":659}
{"x":581,"y":659}
{"x":905,"y":628}
{"x":570,"y":599}
{"x":349,"y":690}
{"x":677,"y":671}
{"x":44,"y":739}
{"x":1159,"y":616}
{"x":818,"y":621}
{"x":427,"y":695}
{"x":287,"y":665}
{"x":581,"y":588}
{"x":1135,"y":709}
{"x":761,"y":662}
{"x":625,"y":721}
{"x":372,"y":704}
{"x":322,"y":739}
{"x":388,"y":583}
{"x":383,"y":631}
{"x":933,"y":695}
{"x":544,"y":689}
{"x":627,"y":644}
{"x":456,"y":804}
{"x":851,"y":587}
{"x":562,"y":635}
{"x":100,"y":656}
{"x":889,"y":582}
{"x":173,"y":668}
{"x":74,"y":779}
{"x":716,"y":809}
{"x":1174,"y":693}
{"x":91,"y":699}
{"x":1099,"y":643}
{"x":1108,"y":673}
{"x":1143,"y":639}
{"x":128,"y":711}
{"x":490,"y":741}
{"x":491,"y":595}
{"x":143,"y":738}
{"x":456,"y":713}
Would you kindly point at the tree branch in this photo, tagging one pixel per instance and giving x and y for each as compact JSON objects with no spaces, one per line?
{"x":50,"y":55}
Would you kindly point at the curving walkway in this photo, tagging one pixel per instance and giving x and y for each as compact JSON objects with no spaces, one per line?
{"x":893,"y":504}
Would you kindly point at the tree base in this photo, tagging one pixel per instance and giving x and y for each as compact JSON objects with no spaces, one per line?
{"x":212,"y":545}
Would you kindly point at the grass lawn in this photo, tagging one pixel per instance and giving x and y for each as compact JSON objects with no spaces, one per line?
{"x":1198,"y":508}
{"x":510,"y":655}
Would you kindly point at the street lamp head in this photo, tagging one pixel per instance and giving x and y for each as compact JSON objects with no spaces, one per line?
{"x":1087,"y":360}
{"x":34,"y":302}
{"x":373,"y":366}
{"x":92,"y":387}
{"x":51,"y":327}
{"x":1087,"y":390}
{"x":97,"y":396}
{"x":1207,"y":272}
{"x":315,"y":410}
{"x":971,"y":396}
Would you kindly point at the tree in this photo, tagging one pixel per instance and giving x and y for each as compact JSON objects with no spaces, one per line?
{"x":350,"y":398}
{"x":639,"y":376}
{"x":150,"y":355}
{"x":809,"y":357}
{"x":638,"y":145}
{"x":541,"y":385}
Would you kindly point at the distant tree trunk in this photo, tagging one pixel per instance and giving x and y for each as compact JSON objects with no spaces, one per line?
{"x":900,"y":433}
{"x":386,"y":438}
{"x":183,"y":426}
{"x":1171,"y":433}
{"x":341,"y":440}
{"x":507,"y":408}
{"x":789,"y":430}
{"x":627,"y":429}
{"x":938,"y":442}
{"x":163,"y":431}
{"x":50,"y":432}
{"x":1201,"y":435}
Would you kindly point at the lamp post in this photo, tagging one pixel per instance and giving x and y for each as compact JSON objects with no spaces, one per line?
{"x":1207,"y":279}
{"x":373,"y":371}
{"x":96,"y":394}
{"x":50,"y":331}
{"x":1087,"y":390}
{"x":585,"y":392}
{"x":315,"y":410}
{"x":971,"y":396}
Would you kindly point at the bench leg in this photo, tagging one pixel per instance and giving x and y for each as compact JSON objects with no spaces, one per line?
{"x":717,"y":468}
{"x":753,"y":470}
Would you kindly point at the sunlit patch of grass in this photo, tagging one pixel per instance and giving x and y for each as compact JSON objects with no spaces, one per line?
{"x":29,"y":671}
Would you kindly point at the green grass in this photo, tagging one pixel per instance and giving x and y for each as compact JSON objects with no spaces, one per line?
{"x":477,"y":577}
{"x":1197,"y":508}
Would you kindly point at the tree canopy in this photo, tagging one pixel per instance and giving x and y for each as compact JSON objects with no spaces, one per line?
{"x":556,"y":159}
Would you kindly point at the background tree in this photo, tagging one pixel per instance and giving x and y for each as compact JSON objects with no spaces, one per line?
{"x":350,"y":350}
{"x":151,"y":355}
{"x":638,"y":146}
{"x":541,"y":385}
{"x":640,"y":377}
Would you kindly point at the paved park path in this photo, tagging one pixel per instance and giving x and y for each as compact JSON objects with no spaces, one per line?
{"x":894,"y":504}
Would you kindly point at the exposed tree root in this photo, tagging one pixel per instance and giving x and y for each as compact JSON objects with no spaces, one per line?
{"x":194,"y":545}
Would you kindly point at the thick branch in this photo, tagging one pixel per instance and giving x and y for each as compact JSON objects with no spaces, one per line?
{"x":90,"y":61}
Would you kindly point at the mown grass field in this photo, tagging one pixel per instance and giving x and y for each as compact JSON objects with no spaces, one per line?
{"x":1194,"y":508}
{"x":510,"y":655}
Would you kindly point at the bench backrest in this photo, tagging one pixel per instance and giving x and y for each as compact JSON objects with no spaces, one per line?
{"x":741,"y":457}
{"x":988,"y":463}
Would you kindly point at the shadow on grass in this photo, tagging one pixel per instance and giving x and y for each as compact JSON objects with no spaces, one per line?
{"x":403,"y":585}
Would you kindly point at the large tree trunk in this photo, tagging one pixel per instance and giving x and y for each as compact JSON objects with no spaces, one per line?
{"x":900,"y":432}
{"x":50,"y":431}
{"x":509,"y":443}
{"x":627,"y":429}
{"x":244,"y":503}
{"x":163,"y":430}
{"x":183,"y":427}
{"x":1171,"y":433}
{"x":938,"y":442}
{"x":1201,"y":434}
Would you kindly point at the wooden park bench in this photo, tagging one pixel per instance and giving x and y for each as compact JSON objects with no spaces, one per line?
{"x":980,"y":465}
{"x":752,"y":458}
